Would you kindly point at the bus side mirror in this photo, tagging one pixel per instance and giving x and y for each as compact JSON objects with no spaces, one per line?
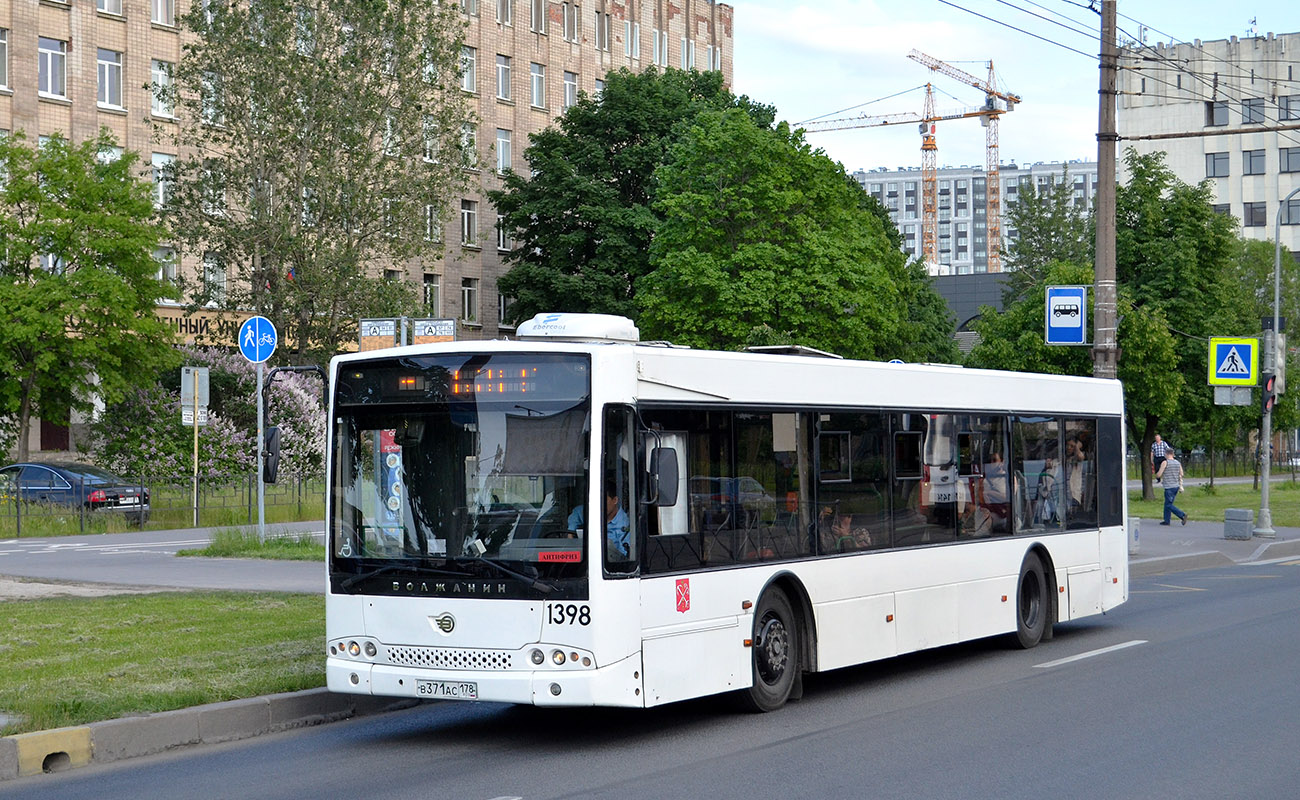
{"x":271,"y":454}
{"x":663,"y":476}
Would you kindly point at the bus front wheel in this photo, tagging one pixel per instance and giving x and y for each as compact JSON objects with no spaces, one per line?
{"x":776,"y":653}
{"x":1031,"y":602}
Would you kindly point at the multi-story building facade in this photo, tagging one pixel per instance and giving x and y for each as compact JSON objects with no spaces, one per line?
{"x":77,"y":67}
{"x":1227,"y":111}
{"x":963,"y":245}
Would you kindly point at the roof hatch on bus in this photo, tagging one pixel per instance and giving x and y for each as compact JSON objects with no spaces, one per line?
{"x":579,"y":328}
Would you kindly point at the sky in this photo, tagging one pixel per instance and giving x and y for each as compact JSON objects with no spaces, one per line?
{"x":812,"y":59}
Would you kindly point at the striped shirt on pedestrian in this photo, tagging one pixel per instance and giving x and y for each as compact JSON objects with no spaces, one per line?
{"x":1172,"y":477}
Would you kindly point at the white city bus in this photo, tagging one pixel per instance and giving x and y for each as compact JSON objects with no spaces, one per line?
{"x":760,"y":515}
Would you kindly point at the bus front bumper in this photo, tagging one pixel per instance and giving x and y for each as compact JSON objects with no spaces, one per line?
{"x":619,"y":684}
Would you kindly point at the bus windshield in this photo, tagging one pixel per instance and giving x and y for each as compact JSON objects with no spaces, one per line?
{"x":460,"y":465}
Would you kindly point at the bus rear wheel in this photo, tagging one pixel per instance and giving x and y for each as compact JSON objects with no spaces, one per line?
{"x":1031,"y":602}
{"x":775,"y":653}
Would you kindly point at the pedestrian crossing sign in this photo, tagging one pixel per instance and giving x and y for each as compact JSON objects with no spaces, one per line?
{"x":1234,"y":362}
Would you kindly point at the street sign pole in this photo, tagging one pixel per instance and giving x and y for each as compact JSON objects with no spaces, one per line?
{"x":195,"y":407}
{"x":261,"y":484}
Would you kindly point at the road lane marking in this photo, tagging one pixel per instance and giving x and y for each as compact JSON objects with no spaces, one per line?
{"x":1090,"y":654}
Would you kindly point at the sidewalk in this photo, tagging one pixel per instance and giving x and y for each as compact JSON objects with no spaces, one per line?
{"x":1160,"y":550}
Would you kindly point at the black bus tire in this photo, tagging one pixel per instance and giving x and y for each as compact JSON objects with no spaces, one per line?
{"x":775,"y":662}
{"x":1031,"y":602}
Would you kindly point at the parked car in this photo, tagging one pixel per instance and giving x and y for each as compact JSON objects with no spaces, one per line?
{"x":74,"y":485}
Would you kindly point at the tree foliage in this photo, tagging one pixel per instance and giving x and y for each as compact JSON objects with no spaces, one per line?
{"x":583,"y":221}
{"x":761,"y":231}
{"x":79,"y":278}
{"x":1050,"y":229}
{"x":311,"y":137}
{"x":143,"y":434}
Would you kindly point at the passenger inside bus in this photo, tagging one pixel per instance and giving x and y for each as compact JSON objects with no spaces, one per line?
{"x":841,"y":533}
{"x":996,"y":498}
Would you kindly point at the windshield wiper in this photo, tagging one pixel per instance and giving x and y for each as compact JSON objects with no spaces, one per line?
{"x":540,"y":585}
{"x":389,"y":568}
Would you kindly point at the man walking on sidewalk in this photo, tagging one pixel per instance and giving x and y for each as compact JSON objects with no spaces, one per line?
{"x":1171,"y":479}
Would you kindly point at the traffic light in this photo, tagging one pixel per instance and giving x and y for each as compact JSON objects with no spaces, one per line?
{"x":1268,"y":391}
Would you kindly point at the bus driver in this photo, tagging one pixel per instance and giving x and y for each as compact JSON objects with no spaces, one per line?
{"x":617,"y":525}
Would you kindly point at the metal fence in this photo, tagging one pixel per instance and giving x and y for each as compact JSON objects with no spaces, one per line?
{"x":171,"y":505}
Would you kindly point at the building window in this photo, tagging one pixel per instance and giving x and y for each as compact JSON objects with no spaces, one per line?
{"x":469,"y":222}
{"x":659,"y":47}
{"x":600,"y":88}
{"x":469,"y":300}
{"x":537,"y":16}
{"x":688,"y":53}
{"x":503,"y":77}
{"x":429,"y":132}
{"x":602,"y":30}
{"x":504,"y":242}
{"x":1254,"y":215}
{"x":537,"y":75}
{"x":53,"y":80}
{"x":162,"y":178}
{"x":503,"y":308}
{"x":1216,"y":165}
{"x":210,"y":99}
{"x":505,"y":12}
{"x":1290,"y":159}
{"x":503,"y":150}
{"x":1252,"y":110}
{"x":1291,"y":213}
{"x":109,"y":6}
{"x":469,"y":144}
{"x":432,"y":224}
{"x":569,"y":12}
{"x":632,"y":39}
{"x":1288,"y":107}
{"x":161,"y":75}
{"x":1216,"y":112}
{"x":4,"y":58}
{"x":52,"y":263}
{"x":214,"y":278}
{"x":1252,"y":162}
{"x":432,"y":292}
{"x":469,"y":7}
{"x":392,"y":275}
{"x":570,"y":89}
{"x":163,"y":12}
{"x":392,"y":141}
{"x":165,"y":257}
{"x":1221,"y":208}
{"x":468,"y":57}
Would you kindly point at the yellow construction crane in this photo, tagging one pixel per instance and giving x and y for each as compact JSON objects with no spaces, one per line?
{"x":988,"y":114}
{"x":992,"y":110}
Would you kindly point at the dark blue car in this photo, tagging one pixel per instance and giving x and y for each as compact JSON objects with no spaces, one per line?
{"x":74,"y":485}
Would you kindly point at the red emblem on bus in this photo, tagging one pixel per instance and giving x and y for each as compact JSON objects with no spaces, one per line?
{"x":683,"y":594}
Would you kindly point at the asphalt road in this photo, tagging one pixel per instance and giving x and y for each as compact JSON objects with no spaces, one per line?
{"x":1187,"y":691}
{"x":148,"y":558}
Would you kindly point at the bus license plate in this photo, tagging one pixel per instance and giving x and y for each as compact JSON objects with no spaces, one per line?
{"x":447,"y":690}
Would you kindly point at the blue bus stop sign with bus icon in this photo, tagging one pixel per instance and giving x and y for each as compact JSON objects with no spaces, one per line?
{"x":257,"y":339}
{"x":1067,"y":315}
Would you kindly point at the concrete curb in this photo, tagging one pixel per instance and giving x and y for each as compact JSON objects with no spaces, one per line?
{"x":128,"y":737}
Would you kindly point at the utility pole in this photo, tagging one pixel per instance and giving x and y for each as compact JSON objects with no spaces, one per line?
{"x":1105,"y":351}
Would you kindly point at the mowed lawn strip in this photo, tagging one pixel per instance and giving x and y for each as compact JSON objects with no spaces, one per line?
{"x":70,"y":661}
{"x":244,"y":543}
{"x":1206,"y":504}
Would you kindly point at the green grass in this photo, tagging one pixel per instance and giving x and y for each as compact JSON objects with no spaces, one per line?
{"x":1206,"y":503}
{"x":244,"y":543}
{"x":70,"y":661}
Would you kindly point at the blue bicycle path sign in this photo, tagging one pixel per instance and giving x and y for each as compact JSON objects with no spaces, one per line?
{"x":257,"y":339}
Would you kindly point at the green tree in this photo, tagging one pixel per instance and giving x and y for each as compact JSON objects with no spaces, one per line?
{"x":763,"y":236}
{"x":79,"y":278}
{"x":1050,"y":228}
{"x":311,"y":136}
{"x":583,"y":221}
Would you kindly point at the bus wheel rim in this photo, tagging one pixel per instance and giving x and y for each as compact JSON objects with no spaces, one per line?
{"x":773,"y":649}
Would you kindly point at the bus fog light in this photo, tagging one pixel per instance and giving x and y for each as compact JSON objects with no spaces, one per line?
{"x":558,"y":657}
{"x":355,"y":680}
{"x":371,"y":649}
{"x":555,"y":689}
{"x":354,"y":648}
{"x":536,"y":657}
